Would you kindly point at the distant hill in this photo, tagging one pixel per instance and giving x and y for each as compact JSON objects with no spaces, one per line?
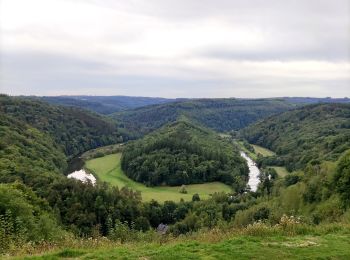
{"x":311,"y":100}
{"x":311,"y":133}
{"x":218,"y":114}
{"x":104,"y":104}
{"x":183,"y":153}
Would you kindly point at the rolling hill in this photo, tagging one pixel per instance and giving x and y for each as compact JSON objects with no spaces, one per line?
{"x":219,"y":114}
{"x":76,"y":130}
{"x":183,"y":153}
{"x":312,"y":133}
{"x":104,"y":104}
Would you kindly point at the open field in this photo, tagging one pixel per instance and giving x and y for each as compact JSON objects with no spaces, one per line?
{"x":329,"y":246}
{"x":104,"y":150}
{"x":108,"y":169}
{"x":263,"y":151}
{"x":281,"y":171}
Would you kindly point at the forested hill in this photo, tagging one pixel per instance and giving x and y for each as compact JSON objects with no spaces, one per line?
{"x":35,"y":140}
{"x":184,"y":153}
{"x":26,"y":153}
{"x":105,"y":104}
{"x":309,"y":134}
{"x":218,"y":114}
{"x":75,"y":130}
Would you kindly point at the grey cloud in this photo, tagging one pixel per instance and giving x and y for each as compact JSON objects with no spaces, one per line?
{"x":45,"y":74}
{"x":317,"y":30}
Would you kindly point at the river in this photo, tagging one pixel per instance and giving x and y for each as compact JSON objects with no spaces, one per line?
{"x":254,"y":172}
{"x":76,"y":171}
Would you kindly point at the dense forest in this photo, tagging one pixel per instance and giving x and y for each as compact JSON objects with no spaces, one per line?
{"x":218,"y":114}
{"x":104,"y":104}
{"x":184,"y":153}
{"x":38,"y":203}
{"x":312,"y":142}
{"x":312,"y":133}
{"x":74,"y":129}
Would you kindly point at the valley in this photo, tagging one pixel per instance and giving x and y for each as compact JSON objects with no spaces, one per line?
{"x":108,"y":169}
{"x":280,"y":176}
{"x":174,"y":130}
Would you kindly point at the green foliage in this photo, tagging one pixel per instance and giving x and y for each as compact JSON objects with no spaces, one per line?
{"x":196,"y":197}
{"x":26,"y":153}
{"x":24,"y":217}
{"x":105,"y":104}
{"x":182,"y":153}
{"x":291,"y":179}
{"x":75,"y":130}
{"x":183,"y":189}
{"x":310,"y":134}
{"x":342,"y":178}
{"x":218,"y":114}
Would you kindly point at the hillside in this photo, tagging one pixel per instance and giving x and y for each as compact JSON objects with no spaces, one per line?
{"x":183,"y":153}
{"x":312,"y":133}
{"x":37,"y":139}
{"x":74,"y":129}
{"x":104,"y":104}
{"x":26,"y":153}
{"x":218,"y":114}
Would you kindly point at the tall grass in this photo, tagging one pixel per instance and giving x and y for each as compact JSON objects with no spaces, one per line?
{"x":288,"y":226}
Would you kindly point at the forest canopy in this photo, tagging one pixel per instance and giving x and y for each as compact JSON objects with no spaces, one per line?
{"x":309,"y":134}
{"x":184,"y":153}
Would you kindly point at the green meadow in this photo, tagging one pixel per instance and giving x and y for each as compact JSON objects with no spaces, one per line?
{"x":108,"y":169}
{"x":263,"y":151}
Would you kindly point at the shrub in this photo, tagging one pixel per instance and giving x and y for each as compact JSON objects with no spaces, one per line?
{"x":196,"y":197}
{"x":183,"y":189}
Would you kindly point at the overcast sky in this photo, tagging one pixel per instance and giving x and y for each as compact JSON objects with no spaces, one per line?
{"x":175,"y":48}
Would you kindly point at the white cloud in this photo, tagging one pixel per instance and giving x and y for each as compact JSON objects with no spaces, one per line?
{"x":185,"y":48}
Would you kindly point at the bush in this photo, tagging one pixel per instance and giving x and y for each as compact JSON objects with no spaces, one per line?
{"x":183,"y":189}
{"x":291,"y":179}
{"x":342,"y":179}
{"x":24,"y":217}
{"x":196,"y":197}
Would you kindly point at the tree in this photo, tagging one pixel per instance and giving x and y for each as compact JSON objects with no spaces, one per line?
{"x":342,"y":178}
{"x":195,"y":197}
{"x":183,"y":189}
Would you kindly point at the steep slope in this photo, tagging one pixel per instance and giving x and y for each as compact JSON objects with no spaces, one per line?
{"x":311,"y":133}
{"x":26,"y":153}
{"x":74,"y":129}
{"x":183,"y":153}
{"x":35,"y":142}
{"x":218,"y":114}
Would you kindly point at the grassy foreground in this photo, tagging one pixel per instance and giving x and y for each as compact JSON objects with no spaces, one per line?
{"x":216,"y":245}
{"x":108,"y":169}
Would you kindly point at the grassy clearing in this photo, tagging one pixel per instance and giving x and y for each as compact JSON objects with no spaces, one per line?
{"x":101,"y":151}
{"x":281,"y":171}
{"x":263,"y":151}
{"x":108,"y":169}
{"x":327,"y":246}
